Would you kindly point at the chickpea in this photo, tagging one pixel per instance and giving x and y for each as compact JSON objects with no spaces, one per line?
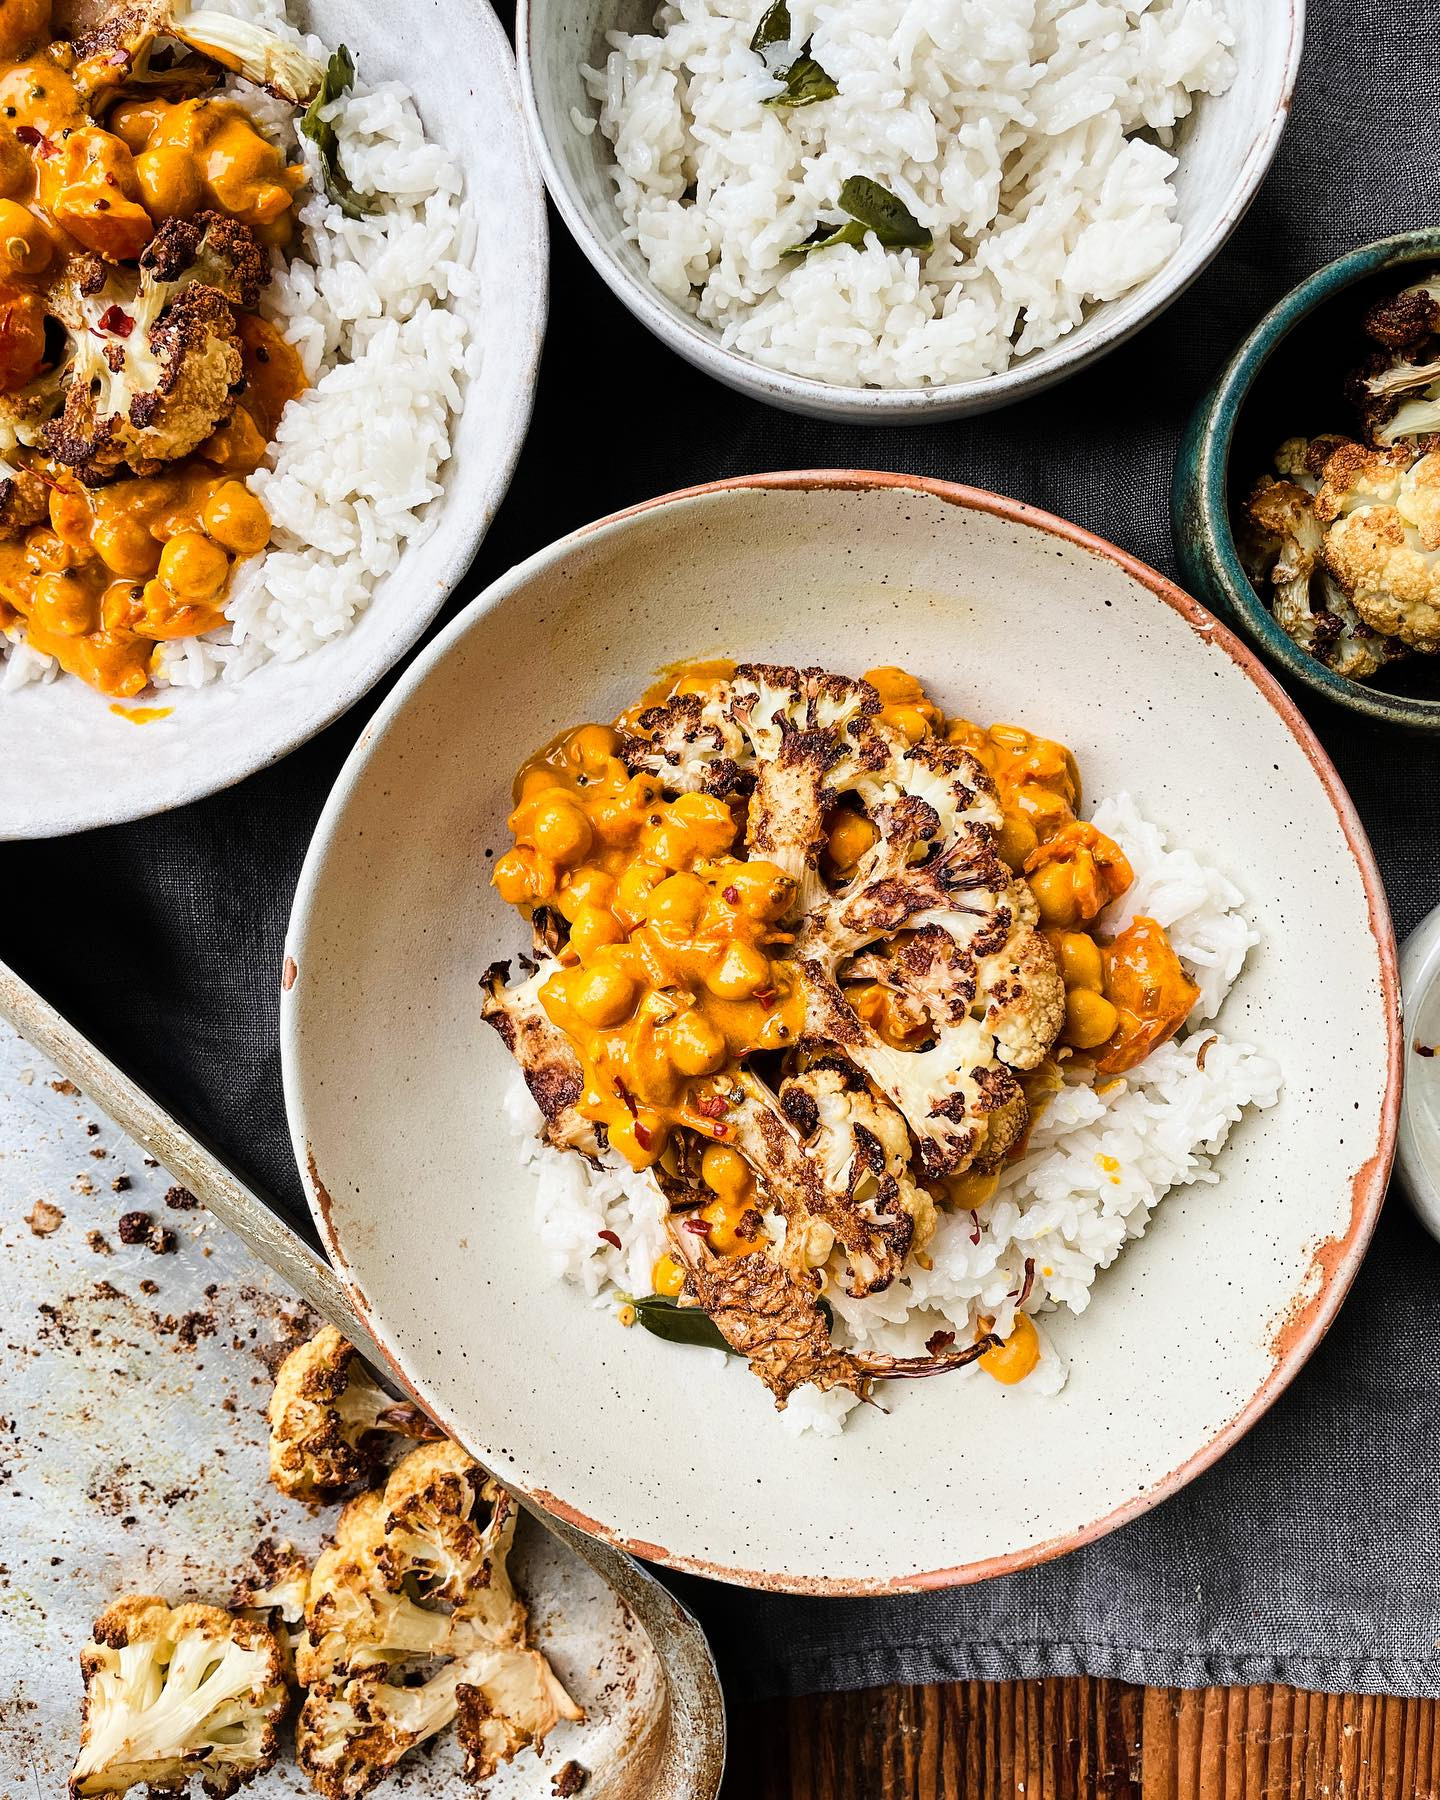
{"x":121,"y":606}
{"x":134,"y":120}
{"x":586,"y":886}
{"x":560,"y":830}
{"x":1054,"y":890}
{"x":895,"y":685}
{"x":696,"y":1046}
{"x":70,"y":518}
{"x":235,"y":518}
{"x":170,"y":183}
{"x":851,"y":836}
{"x":22,"y":338}
{"x":1017,"y":1356}
{"x":909,"y":721}
{"x":26,"y":247}
{"x":741,"y":972}
{"x":1018,"y":838}
{"x":602,"y":996}
{"x":667,"y":1277}
{"x":761,"y":890}
{"x":64,"y":604}
{"x":678,"y":900}
{"x":523,"y":878}
{"x":192,"y":567}
{"x":592,"y":747}
{"x":1079,"y":957}
{"x":973,"y":1189}
{"x":534,"y":782}
{"x":634,"y":890}
{"x":591,"y":929}
{"x":709,"y":822}
{"x":638,"y":1151}
{"x":16,"y":169}
{"x":725,"y":1172}
{"x":124,"y":545}
{"x":1090,"y":1019}
{"x":238,"y":445}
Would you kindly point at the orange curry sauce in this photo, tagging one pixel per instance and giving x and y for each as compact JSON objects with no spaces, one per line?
{"x":675,"y":966}
{"x":118,"y":569}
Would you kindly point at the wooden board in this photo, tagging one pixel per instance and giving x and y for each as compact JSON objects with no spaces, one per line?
{"x":1084,"y":1740}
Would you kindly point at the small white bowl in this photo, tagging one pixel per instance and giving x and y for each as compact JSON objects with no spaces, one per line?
{"x":1417,"y":1157}
{"x":77,"y":765}
{"x":1225,"y":148}
{"x":394,"y":1085}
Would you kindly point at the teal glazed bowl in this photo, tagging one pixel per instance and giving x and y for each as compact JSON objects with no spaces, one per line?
{"x":1286,"y":380}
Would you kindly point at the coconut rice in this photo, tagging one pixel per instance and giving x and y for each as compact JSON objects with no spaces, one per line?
{"x":1030,"y":137}
{"x":1100,"y":1159}
{"x":381,"y":310}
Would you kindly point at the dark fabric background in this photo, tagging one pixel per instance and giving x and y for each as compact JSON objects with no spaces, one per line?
{"x":1311,"y":1554}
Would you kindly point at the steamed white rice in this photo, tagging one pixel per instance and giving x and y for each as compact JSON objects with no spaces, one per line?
{"x":1029,"y":136}
{"x":382,"y":312}
{"x":1101,"y":1157}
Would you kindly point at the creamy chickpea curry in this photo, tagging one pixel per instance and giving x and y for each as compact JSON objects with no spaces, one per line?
{"x":814,"y":954}
{"x":139,"y":385}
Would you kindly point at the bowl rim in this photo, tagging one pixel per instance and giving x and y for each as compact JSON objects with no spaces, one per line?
{"x":1123,"y":317}
{"x":1214,"y":437}
{"x":474,"y":504}
{"x":1335,"y":1262}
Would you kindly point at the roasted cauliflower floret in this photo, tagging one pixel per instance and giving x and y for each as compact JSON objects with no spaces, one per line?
{"x":156,"y":358}
{"x":106,"y":57}
{"x":1405,"y":321}
{"x":386,"y":1670}
{"x":324,"y":1414}
{"x":174,"y":1692}
{"x":1383,"y":542}
{"x":24,"y":501}
{"x":354,"y":1729}
{"x":448,"y":1531}
{"x":1282,"y":544}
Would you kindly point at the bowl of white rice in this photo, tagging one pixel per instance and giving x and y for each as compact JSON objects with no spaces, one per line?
{"x":419,"y":327}
{"x":1016,"y":186}
{"x":1180,"y":1238}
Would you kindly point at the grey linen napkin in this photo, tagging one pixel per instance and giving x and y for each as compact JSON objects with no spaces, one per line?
{"x":1310,"y":1553}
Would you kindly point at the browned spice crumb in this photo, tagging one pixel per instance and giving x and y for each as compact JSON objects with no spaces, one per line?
{"x":82,"y":1184}
{"x":160,"y":1241}
{"x":180,"y":1199}
{"x":134,"y":1227}
{"x":120,"y":1185}
{"x":569,"y":1780}
{"x":228,"y":1404}
{"x":99,"y":1153}
{"x":99,"y":1243}
{"x":150,"y":1163}
{"x":91,"y":1128}
{"x":44,"y":1217}
{"x":64,"y":1087}
{"x":1204,"y":1050}
{"x":1427,"y":1049}
{"x":149,"y":1287}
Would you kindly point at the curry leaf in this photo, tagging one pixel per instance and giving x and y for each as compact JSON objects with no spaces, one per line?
{"x":805,"y":83}
{"x":774,"y":27}
{"x":678,"y":1324}
{"x":339,"y":76}
{"x":871,"y":208}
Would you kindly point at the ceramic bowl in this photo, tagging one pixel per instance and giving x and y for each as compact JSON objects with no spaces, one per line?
{"x":82,"y":765}
{"x":1418,"y":1155}
{"x":1224,"y":149}
{"x":1284,"y":381}
{"x":393,"y":1082}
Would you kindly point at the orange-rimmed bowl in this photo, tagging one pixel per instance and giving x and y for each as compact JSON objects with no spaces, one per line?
{"x":393,"y":1082}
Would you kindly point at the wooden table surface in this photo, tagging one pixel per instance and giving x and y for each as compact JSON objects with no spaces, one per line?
{"x":1084,"y":1740}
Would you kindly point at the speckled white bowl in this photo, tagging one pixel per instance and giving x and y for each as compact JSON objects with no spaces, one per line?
{"x":1225,"y":148}
{"x":71,"y":763}
{"x":392,"y":1080}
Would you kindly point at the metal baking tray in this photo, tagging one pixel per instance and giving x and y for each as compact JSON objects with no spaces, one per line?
{"x":136,"y":1458}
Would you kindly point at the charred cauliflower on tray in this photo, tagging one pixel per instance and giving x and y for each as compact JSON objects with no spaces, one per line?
{"x":1345,"y":535}
{"x":801,"y":951}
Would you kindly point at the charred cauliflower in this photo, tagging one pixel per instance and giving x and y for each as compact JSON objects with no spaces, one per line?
{"x":325,"y":1414}
{"x":385,"y":1670}
{"x":156,"y":362}
{"x":841,"y":1147}
{"x":170,"y":1693}
{"x":109,"y":55}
